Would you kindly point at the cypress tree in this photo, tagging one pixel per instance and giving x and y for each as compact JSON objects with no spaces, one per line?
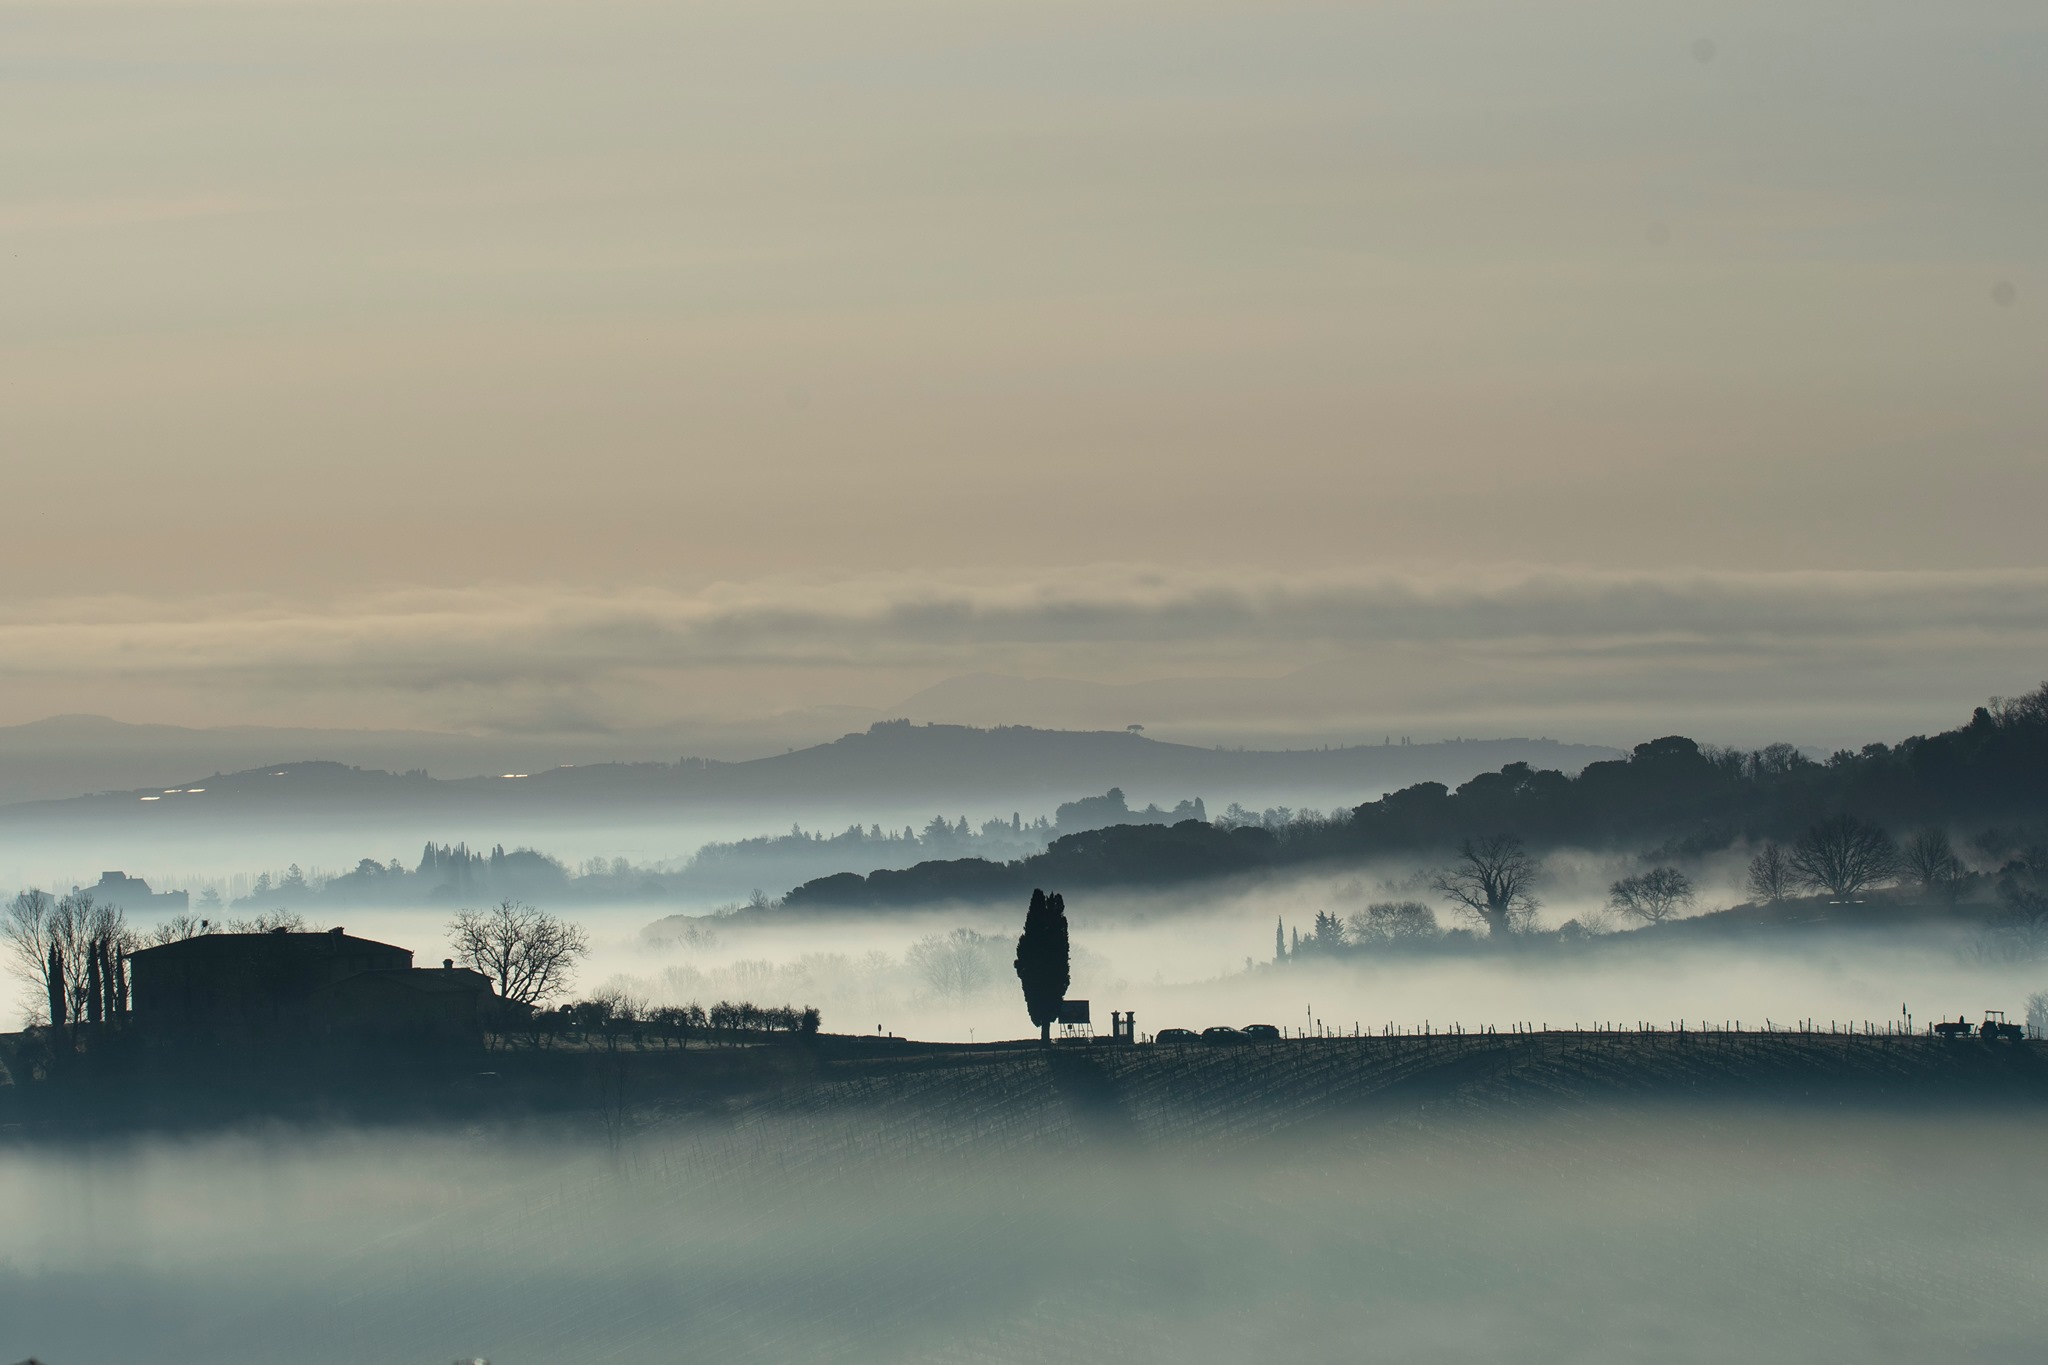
{"x":1043,"y":966}
{"x":94,"y":1012}
{"x":1279,"y":938}
{"x":56,"y":979}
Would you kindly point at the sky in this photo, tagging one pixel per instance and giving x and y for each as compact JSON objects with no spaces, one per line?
{"x":1588,"y":369}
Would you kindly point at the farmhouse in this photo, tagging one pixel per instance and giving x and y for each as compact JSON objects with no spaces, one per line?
{"x":291,"y":988}
{"x":133,"y":895}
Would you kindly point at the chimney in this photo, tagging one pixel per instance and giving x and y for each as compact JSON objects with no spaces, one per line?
{"x":336,"y":931}
{"x":447,"y":964}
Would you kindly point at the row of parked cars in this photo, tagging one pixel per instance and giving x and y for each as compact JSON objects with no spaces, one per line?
{"x":1250,"y":1033}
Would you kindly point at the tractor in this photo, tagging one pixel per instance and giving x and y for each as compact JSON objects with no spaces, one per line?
{"x":1992,"y":1029}
{"x":1995,"y":1027}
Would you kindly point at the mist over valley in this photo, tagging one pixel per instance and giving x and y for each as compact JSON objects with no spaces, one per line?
{"x":1023,"y":683}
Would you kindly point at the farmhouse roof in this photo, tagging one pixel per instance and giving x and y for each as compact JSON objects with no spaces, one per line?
{"x":329,"y":941}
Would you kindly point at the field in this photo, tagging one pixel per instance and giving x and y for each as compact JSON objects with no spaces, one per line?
{"x":1240,"y":1093}
{"x":1147,"y":1093}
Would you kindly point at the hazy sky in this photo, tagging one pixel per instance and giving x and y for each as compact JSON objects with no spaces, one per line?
{"x":1557,"y":367}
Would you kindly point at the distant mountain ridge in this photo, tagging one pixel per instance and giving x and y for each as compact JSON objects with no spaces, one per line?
{"x":71,"y":755}
{"x":890,"y":765}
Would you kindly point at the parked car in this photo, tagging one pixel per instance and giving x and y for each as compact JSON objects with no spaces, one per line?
{"x":1261,"y":1033}
{"x":1176,"y":1037}
{"x":1222,"y":1033}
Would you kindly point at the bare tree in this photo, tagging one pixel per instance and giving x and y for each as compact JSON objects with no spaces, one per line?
{"x":2023,"y":882}
{"x":955,"y":966}
{"x":28,"y":948}
{"x":1492,"y":881}
{"x":1930,"y":860}
{"x":1770,"y":874}
{"x":2037,"y":1015}
{"x":1590,"y":922}
{"x":1652,"y":896}
{"x":63,"y":948}
{"x":527,"y":953}
{"x":617,"y":1012}
{"x":269,"y":922}
{"x":177,"y":929}
{"x":2022,"y":930}
{"x":1394,"y":922}
{"x":1844,"y":855}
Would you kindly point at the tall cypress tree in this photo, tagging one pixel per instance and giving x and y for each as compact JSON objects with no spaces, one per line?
{"x":56,"y":979}
{"x":1043,"y":966}
{"x":93,"y":984}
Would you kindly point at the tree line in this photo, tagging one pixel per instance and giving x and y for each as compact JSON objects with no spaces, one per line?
{"x":72,"y":951}
{"x":612,"y":1020}
{"x":1492,"y":881}
{"x":530,"y":956}
{"x":1680,"y":798}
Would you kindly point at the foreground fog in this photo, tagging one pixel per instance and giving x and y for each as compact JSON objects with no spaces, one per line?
{"x":1596,"y":1236}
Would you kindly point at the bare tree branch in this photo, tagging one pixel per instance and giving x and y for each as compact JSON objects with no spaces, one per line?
{"x":527,"y":953}
{"x":1652,"y":896}
{"x":28,"y":931}
{"x":67,"y":934}
{"x":1770,"y":874}
{"x":1844,"y":855}
{"x":1930,"y":860}
{"x":1492,"y":881}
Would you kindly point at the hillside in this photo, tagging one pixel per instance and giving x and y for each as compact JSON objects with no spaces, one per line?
{"x":1671,"y":794}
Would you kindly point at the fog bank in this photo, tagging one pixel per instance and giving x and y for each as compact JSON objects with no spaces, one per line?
{"x":1592,"y":1236}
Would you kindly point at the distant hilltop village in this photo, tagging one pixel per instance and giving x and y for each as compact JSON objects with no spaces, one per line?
{"x":133,"y":894}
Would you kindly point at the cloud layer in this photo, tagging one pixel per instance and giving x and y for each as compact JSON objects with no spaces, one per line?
{"x":1288,"y":652}
{"x":317,"y":315}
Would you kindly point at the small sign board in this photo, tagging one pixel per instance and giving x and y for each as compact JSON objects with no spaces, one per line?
{"x":1074,"y":1012}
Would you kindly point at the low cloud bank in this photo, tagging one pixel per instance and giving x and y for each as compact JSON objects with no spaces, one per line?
{"x":1275,"y":651}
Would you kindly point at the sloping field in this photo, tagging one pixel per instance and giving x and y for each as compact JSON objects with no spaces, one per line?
{"x":1242,"y":1093}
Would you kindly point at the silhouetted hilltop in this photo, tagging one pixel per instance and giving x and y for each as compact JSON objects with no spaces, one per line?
{"x":957,"y":762}
{"x":890,"y":764}
{"x":1668,"y":792}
